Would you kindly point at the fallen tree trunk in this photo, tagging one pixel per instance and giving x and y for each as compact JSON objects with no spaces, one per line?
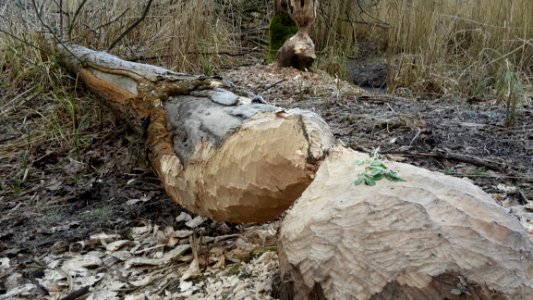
{"x":430,"y":236}
{"x":216,"y":153}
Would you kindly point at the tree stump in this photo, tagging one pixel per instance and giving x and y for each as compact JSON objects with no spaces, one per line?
{"x":431,"y":236}
{"x":281,"y":28}
{"x":299,"y":50}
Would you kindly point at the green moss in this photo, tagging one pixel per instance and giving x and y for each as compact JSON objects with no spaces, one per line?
{"x":281,"y":28}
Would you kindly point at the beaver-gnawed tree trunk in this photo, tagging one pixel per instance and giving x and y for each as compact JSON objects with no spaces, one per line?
{"x":216,"y":153}
{"x":299,"y":50}
{"x":431,"y":236}
{"x":222,"y":156}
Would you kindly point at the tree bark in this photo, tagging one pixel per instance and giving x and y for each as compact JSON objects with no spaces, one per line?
{"x":299,"y":50}
{"x":431,"y":236}
{"x":216,"y":153}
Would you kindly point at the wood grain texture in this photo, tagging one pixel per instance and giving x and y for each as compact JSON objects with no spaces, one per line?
{"x":430,"y":237}
{"x":216,"y":153}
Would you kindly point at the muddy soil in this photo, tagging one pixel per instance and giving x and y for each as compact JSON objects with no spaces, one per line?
{"x":463,"y":138}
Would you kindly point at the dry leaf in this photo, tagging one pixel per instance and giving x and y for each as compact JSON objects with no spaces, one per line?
{"x":104,"y":237}
{"x":172,"y":241}
{"x":4,"y":263}
{"x":107,"y":295}
{"x":182,"y":233}
{"x":137,"y":232}
{"x":20,"y":290}
{"x":146,"y":279}
{"x":86,"y":261}
{"x":192,"y":271}
{"x":142,"y":261}
{"x":122,"y":255}
{"x":13,"y":280}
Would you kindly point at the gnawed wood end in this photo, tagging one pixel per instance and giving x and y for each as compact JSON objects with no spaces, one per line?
{"x":256,"y":172}
{"x":430,"y":237}
{"x":299,"y":50}
{"x":215,"y":152}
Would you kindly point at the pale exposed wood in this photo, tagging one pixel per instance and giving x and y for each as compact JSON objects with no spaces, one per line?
{"x":215,"y":152}
{"x":299,"y":50}
{"x":430,"y":237}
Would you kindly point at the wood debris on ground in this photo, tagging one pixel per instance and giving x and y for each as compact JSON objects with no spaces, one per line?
{"x":155,"y":262}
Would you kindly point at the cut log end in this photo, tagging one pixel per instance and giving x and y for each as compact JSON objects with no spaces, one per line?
{"x":297,"y":52}
{"x":256,"y":172}
{"x":429,"y":237}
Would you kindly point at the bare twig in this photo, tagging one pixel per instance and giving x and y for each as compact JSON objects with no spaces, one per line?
{"x":43,"y":23}
{"x":268,"y":87}
{"x":112,"y":20}
{"x":132,"y":26}
{"x":73,"y":21}
{"x":363,"y":10}
{"x":77,"y":293}
{"x":21,"y":40}
{"x":443,"y":154}
{"x":61,"y":19}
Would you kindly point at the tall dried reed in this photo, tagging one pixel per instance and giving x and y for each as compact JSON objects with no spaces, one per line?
{"x":466,"y":47}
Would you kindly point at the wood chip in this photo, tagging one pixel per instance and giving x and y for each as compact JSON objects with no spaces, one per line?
{"x":195,"y":222}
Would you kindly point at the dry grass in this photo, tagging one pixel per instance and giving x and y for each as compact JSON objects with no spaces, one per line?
{"x":452,"y":47}
{"x":436,"y":48}
{"x":42,"y":108}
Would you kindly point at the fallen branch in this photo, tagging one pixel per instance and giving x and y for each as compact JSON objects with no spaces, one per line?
{"x":443,"y":154}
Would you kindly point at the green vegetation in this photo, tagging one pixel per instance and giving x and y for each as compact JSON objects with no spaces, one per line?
{"x":234,"y":270}
{"x":374,"y":170}
{"x":281,"y":28}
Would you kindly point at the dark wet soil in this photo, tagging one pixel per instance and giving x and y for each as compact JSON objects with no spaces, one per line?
{"x":452,"y":136}
{"x":69,"y":197}
{"x":369,"y":68}
{"x":464,"y":138}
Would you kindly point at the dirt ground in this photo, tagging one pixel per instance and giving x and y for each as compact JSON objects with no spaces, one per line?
{"x":107,"y":187}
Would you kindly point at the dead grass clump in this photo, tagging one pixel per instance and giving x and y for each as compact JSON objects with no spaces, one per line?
{"x":42,"y":112}
{"x":183,"y":35}
{"x":454,"y":46}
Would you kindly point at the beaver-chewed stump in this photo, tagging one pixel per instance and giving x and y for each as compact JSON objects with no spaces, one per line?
{"x":299,"y":50}
{"x":216,"y":153}
{"x":430,"y":236}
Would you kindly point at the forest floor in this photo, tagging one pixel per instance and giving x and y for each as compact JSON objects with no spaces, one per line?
{"x":95,"y":224}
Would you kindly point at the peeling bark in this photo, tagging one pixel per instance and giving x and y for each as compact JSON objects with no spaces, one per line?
{"x":216,"y":153}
